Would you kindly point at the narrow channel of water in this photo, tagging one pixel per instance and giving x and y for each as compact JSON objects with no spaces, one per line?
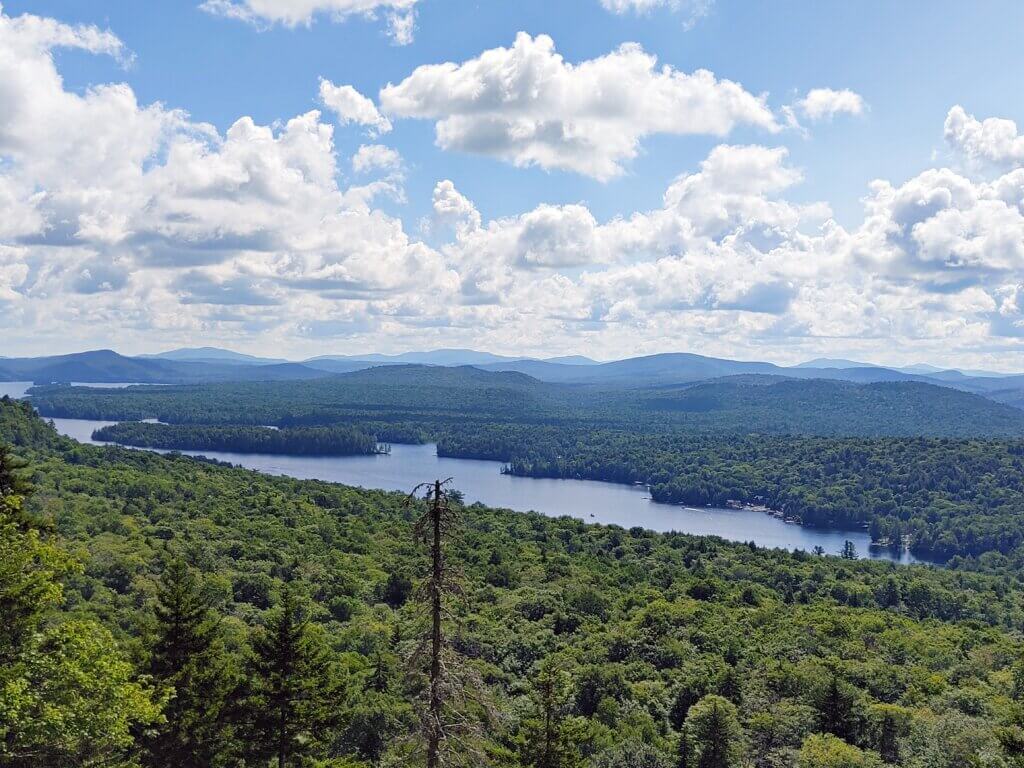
{"x":592,"y":501}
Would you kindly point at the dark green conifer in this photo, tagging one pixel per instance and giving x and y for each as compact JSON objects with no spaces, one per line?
{"x":290,"y":698}
{"x":189,"y":661}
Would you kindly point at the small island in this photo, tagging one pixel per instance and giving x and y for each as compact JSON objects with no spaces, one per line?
{"x":337,"y":440}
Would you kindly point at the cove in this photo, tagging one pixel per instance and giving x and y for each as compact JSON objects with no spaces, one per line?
{"x":589,"y":500}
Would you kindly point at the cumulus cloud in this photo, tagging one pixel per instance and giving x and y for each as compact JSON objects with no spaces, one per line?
{"x":699,"y":250}
{"x":147,"y":212}
{"x":136,"y":220}
{"x":376,"y":157}
{"x":293,"y":13}
{"x":935,"y":264}
{"x":350,"y":106}
{"x":826,"y":103}
{"x":993,"y":140}
{"x":528,"y":106}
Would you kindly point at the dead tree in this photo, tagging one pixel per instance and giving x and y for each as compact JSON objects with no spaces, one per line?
{"x":449,"y":728}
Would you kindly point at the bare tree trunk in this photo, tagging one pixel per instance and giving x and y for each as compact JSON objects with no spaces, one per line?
{"x":436,"y":694}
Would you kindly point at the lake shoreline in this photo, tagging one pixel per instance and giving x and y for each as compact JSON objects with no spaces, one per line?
{"x":591,"y":501}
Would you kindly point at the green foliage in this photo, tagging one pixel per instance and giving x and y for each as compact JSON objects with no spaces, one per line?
{"x":547,"y":737}
{"x":825,"y":751}
{"x":712,"y":735}
{"x":72,"y":699}
{"x":68,"y":695}
{"x":308,"y":441}
{"x":289,"y":706}
{"x":191,"y":667}
{"x":661,"y":640}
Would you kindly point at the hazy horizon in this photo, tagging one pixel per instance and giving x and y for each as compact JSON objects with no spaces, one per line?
{"x":827,"y":362}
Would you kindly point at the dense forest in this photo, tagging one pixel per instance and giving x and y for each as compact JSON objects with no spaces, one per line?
{"x":335,"y":440}
{"x":427,"y":395}
{"x":165,"y":611}
{"x":935,"y":469}
{"x":949,"y":496}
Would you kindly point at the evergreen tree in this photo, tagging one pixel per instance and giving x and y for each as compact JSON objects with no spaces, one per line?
{"x":15,"y":489}
{"x":290,"y":688}
{"x":545,"y":741}
{"x":889,"y":595}
{"x":891,"y":723}
{"x":836,"y":702}
{"x":713,"y":734}
{"x":189,"y":662}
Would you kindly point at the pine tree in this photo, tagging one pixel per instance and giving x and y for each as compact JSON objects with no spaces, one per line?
{"x":713,"y":734}
{"x":545,"y":743}
{"x":189,"y":661}
{"x":836,"y":704}
{"x":14,"y":490}
{"x":289,"y":703}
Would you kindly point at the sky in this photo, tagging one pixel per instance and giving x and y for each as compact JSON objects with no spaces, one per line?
{"x":773,"y":181}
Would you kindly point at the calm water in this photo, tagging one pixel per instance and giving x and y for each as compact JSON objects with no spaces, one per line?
{"x":596,"y":502}
{"x":15,"y":389}
{"x":19,"y":389}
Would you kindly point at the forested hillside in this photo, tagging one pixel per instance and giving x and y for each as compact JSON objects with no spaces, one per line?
{"x":935,"y":469}
{"x":430,"y":395}
{"x":946,"y":497}
{"x":174,"y":588}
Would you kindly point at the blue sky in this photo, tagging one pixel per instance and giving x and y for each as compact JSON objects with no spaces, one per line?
{"x":909,"y":63}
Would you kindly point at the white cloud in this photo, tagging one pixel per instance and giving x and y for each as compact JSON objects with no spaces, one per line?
{"x":527,"y":106}
{"x":376,"y":157}
{"x":350,"y":106}
{"x":135,"y":220}
{"x":695,"y":9}
{"x":993,"y":140}
{"x":826,"y":103}
{"x":454,"y":209}
{"x":402,"y":26}
{"x":293,"y":13}
{"x":125,"y":216}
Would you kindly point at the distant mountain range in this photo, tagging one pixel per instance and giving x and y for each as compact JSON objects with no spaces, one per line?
{"x":106,"y":366}
{"x":210,"y":364}
{"x":213,"y":355}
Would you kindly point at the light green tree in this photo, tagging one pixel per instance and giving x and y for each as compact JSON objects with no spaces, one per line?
{"x":828,"y":751}
{"x":68,"y":696}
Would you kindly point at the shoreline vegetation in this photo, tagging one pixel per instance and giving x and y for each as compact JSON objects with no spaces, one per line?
{"x":351,"y":441}
{"x":300,"y":441}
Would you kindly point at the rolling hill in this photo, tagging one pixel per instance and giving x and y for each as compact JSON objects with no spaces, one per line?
{"x":106,"y":366}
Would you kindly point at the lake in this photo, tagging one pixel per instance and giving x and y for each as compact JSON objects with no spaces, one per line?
{"x":589,"y":500}
{"x":18,"y":389}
